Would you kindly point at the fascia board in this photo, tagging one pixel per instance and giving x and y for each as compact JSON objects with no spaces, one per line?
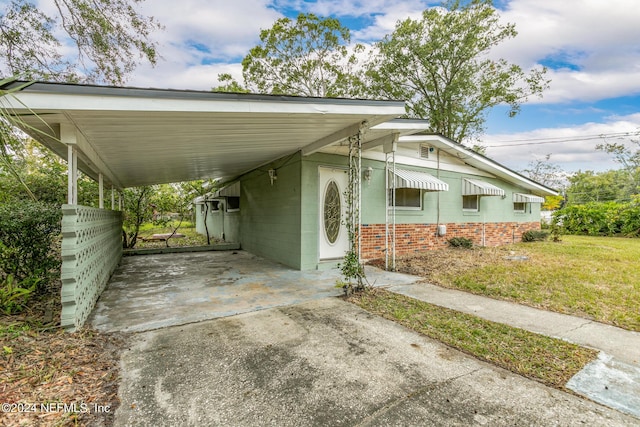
{"x":73,"y":102}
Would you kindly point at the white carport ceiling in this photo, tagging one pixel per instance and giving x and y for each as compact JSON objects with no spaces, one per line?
{"x":149,"y":136}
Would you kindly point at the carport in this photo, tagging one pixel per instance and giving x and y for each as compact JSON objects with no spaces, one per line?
{"x":156,"y":291}
{"x":127,"y":137}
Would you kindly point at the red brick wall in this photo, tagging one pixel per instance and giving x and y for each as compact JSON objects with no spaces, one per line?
{"x":412,"y":238}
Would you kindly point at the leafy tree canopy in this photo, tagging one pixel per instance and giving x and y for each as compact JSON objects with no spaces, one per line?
{"x":440,"y":65}
{"x":309,"y":57}
{"x":110,"y":37}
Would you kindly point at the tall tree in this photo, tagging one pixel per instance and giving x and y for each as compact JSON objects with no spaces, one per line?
{"x":629,"y":158}
{"x":440,"y":65}
{"x":110,"y":39}
{"x":110,"y":36}
{"x":309,"y":56}
{"x":606,"y":186}
{"x":545,"y":172}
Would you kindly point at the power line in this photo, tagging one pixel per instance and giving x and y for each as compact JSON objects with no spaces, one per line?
{"x":559,"y":140}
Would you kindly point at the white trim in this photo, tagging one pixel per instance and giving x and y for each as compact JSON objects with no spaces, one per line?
{"x":478,"y":161}
{"x":477,"y":198}
{"x":95,"y":102}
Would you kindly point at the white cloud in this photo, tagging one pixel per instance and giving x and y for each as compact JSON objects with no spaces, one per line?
{"x":201,"y":39}
{"x":573,"y":148}
{"x":597,"y":40}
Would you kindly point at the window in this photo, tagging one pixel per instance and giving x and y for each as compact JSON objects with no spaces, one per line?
{"x":233,"y":204}
{"x":332,"y":211}
{"x":215,"y":205}
{"x":520,"y":207}
{"x":410,"y":198}
{"x":470,"y":203}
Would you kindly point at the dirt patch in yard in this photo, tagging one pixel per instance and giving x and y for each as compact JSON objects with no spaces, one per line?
{"x":434,"y":265}
{"x":49,"y":377}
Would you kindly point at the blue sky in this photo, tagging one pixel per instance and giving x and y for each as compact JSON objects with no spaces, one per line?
{"x":591,"y":48}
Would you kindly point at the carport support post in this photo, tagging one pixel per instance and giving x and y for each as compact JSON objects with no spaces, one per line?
{"x":100,"y":191}
{"x":68,"y":137}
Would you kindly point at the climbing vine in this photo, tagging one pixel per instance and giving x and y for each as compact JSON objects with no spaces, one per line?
{"x":351,"y":267}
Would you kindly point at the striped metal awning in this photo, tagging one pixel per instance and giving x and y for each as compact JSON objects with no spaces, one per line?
{"x":527,"y":198}
{"x":474,"y":187}
{"x":231,"y":190}
{"x":404,"y":178}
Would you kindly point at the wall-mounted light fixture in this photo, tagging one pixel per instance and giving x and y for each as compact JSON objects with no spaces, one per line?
{"x":366,"y":174}
{"x":272,"y":175}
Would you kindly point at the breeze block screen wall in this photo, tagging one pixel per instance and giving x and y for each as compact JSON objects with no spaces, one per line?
{"x":91,"y":250}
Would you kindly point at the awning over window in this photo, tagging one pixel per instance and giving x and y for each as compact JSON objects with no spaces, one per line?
{"x":412,"y":179}
{"x":527,"y":198}
{"x":232,"y":190}
{"x":474,"y":187}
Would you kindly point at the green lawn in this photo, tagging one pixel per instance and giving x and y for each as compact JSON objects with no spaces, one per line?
{"x":592,"y":277}
{"x":549,"y":360}
{"x":192,"y":238}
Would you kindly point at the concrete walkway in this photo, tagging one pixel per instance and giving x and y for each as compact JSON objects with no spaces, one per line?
{"x":613,"y":379}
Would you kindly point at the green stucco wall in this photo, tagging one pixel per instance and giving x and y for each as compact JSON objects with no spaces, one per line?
{"x":310,"y":214}
{"x":280,"y":221}
{"x":269,"y":214}
{"x":492,"y":208}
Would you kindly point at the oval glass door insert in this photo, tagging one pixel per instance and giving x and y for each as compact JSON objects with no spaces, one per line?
{"x":332,"y":212}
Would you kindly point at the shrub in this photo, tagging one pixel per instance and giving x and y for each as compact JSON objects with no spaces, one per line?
{"x":597,"y":218}
{"x":28,"y":233}
{"x":14,"y":296}
{"x":535,"y":236}
{"x":460,"y":242}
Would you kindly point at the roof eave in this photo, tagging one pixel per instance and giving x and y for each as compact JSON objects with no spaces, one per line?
{"x":478,"y":159}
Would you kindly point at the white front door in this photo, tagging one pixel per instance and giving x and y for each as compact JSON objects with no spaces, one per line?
{"x":334,"y":241}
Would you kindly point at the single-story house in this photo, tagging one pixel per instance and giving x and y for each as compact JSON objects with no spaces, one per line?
{"x":291,"y":210}
{"x":285,"y":161}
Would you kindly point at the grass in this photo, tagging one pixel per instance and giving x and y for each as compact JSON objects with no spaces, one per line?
{"x":592,"y":277}
{"x":192,"y":238}
{"x":548,"y":360}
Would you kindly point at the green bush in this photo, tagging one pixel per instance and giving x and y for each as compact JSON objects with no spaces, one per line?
{"x":535,"y":236}
{"x":629,"y":217}
{"x":460,"y":242}
{"x":28,"y":234}
{"x":600,"y":218}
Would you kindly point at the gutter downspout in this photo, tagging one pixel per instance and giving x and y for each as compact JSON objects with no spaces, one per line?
{"x":438,"y":198}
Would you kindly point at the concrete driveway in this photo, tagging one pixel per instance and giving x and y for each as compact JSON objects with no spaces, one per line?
{"x":230,"y":339}
{"x":327,"y":363}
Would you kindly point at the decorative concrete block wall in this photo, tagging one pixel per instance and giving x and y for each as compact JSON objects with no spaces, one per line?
{"x":91,"y":250}
{"x":412,"y":238}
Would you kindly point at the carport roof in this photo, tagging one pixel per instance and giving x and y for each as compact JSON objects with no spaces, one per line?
{"x":136,"y":136}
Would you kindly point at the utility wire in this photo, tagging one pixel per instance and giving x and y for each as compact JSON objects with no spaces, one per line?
{"x":559,"y":140}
